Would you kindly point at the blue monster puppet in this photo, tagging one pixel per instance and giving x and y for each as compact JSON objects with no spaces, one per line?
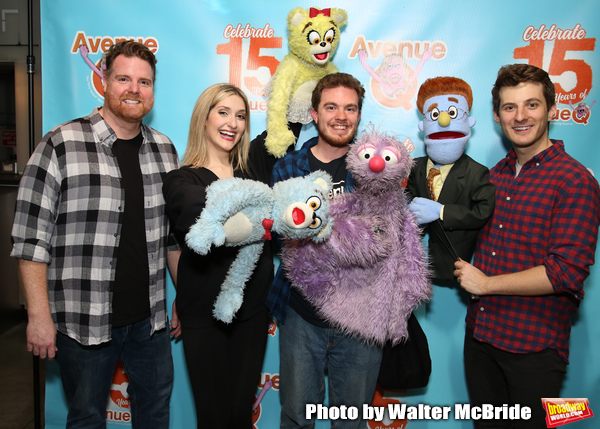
{"x":451,"y":193}
{"x":242,"y":212}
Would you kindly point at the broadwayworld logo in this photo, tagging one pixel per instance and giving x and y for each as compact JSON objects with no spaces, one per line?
{"x":560,"y":411}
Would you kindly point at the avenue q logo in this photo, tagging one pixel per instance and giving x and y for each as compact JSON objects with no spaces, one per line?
{"x":91,"y":49}
{"x":560,"y":411}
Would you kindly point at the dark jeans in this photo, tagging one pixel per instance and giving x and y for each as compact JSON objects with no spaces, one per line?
{"x":499,"y":377}
{"x":87,"y":371}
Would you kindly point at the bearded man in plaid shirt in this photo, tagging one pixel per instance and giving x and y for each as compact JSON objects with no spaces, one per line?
{"x":90,"y":234}
{"x":532,"y":257}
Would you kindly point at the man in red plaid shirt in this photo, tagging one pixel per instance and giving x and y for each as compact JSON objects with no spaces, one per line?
{"x":532,"y":257}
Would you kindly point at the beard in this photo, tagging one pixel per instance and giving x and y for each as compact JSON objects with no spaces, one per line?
{"x":128,"y":112}
{"x":334,"y":139}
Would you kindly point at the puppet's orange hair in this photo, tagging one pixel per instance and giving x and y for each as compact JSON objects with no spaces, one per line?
{"x":443,"y":85}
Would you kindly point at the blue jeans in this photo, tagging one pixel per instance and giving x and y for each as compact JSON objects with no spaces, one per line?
{"x":307,"y":353}
{"x":87,"y":371}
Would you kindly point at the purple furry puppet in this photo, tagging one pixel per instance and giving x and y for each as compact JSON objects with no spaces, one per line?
{"x":372,"y":272}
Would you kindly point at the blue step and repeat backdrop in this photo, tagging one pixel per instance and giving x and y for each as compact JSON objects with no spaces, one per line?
{"x":201,"y":42}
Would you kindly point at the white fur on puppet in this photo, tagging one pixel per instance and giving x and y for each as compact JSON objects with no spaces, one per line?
{"x":313,"y":37}
{"x":372,"y":271}
{"x":241,"y":212}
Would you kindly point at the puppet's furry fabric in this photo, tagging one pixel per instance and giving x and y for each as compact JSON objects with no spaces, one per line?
{"x":241,"y":212}
{"x":314,"y":35}
{"x":372,"y":271}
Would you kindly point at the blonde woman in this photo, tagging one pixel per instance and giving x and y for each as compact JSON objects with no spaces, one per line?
{"x":223,"y":360}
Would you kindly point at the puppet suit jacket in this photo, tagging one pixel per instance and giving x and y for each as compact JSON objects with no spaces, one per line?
{"x":468,"y":199}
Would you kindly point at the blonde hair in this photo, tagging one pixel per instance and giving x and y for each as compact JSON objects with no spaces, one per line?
{"x":196,"y":153}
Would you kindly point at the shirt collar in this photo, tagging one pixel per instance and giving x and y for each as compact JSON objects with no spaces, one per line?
{"x":105,"y":133}
{"x":554,"y":150}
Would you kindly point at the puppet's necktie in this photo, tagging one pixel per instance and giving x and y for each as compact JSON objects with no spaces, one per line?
{"x":432,"y":173}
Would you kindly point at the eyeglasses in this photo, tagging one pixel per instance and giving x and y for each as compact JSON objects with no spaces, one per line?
{"x":453,"y":111}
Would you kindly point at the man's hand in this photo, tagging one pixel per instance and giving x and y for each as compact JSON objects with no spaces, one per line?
{"x":41,"y":337}
{"x":529,"y":282}
{"x":470,"y":278}
{"x":41,"y":332}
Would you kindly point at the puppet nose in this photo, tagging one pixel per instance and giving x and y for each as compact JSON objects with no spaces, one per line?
{"x":376,"y":164}
{"x":444,"y":119}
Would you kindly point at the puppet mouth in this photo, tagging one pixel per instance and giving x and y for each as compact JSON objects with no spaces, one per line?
{"x":322,"y":57}
{"x":446,"y":135}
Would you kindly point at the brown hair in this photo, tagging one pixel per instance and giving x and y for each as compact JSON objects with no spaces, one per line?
{"x":335,"y":80}
{"x":514,"y":74}
{"x":128,"y":48}
{"x":196,"y":153}
{"x":441,"y":86}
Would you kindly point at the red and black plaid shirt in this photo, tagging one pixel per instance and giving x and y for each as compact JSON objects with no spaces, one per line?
{"x":548,"y":215}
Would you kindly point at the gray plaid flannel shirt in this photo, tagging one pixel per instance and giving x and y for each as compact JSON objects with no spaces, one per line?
{"x":68,"y":215}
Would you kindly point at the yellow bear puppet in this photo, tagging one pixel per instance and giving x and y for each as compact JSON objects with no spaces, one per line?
{"x":313,"y":38}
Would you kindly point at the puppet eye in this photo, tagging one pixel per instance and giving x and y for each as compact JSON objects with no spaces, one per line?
{"x":435,"y":113}
{"x":314,"y":203}
{"x":330,"y":35}
{"x":314,"y":38}
{"x":366,"y":153}
{"x":390,"y":156}
{"x":316,"y":222}
{"x":453,"y":112}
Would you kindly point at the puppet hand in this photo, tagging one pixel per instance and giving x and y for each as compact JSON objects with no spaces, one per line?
{"x":425,"y":210}
{"x":237,"y":228}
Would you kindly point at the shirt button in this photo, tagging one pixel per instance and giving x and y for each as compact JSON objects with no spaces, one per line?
{"x":481,"y":308}
{"x":493,"y":253}
{"x":537,"y":164}
{"x":500,"y":226}
{"x":507,"y":198}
